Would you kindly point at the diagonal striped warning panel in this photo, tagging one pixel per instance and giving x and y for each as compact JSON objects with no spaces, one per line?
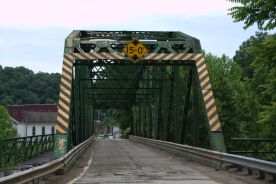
{"x":65,"y":95}
{"x":96,"y":56}
{"x":122,"y":56}
{"x":207,"y":93}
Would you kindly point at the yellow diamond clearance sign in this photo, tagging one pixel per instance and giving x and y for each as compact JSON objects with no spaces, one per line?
{"x":135,"y":50}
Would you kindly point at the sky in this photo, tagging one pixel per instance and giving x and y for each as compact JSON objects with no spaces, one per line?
{"x":32,"y":32}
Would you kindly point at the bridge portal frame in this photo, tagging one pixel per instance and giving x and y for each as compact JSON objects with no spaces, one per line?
{"x":75,"y":56}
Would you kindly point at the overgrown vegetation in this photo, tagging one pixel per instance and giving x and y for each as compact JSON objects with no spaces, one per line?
{"x":245,"y":88}
{"x":20,"y":85}
{"x":6,"y":129}
{"x":126,"y":133}
{"x":262,"y":12}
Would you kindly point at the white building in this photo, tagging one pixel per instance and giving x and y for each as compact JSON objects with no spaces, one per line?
{"x":116,"y":132}
{"x":36,"y":123}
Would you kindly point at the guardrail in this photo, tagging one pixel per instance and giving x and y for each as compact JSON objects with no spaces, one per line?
{"x":264,"y":149}
{"x":15,"y":150}
{"x":212,"y":158}
{"x":62,"y":164}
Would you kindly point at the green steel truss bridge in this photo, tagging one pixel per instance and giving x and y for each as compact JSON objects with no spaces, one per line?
{"x":167,"y":90}
{"x":160,"y":79}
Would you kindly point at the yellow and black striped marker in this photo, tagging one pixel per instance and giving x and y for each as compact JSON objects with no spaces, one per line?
{"x":65,"y":94}
{"x":66,"y":82}
{"x":207,"y":93}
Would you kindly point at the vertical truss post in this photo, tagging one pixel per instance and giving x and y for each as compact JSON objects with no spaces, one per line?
{"x":160,"y":110}
{"x":76,"y":105}
{"x":183,"y":129}
{"x":92,"y":120}
{"x":83,"y":123}
{"x":170,"y":112}
{"x":137,"y":119}
{"x":131,"y":120}
{"x":144,"y":118}
{"x":136,"y":112}
{"x":72,"y":125}
{"x":144,"y":106}
{"x":148,"y":100}
{"x":91,"y":105}
{"x":195,"y":113}
{"x":177,"y":99}
{"x":140,"y":120}
{"x":164,"y":108}
{"x":134,"y":120}
{"x":150,"y":106}
{"x":168,"y":104}
{"x":162,"y":105}
{"x":155,"y":105}
{"x":149,"y":114}
{"x":87,"y":114}
{"x":85,"y":102}
{"x":87,"y":118}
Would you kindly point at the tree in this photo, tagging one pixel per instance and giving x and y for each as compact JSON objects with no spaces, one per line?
{"x":255,"y":94}
{"x":108,"y":122}
{"x":122,"y":117}
{"x":264,"y":80}
{"x":6,"y":129}
{"x":244,"y":58}
{"x":20,"y":85}
{"x":268,"y":115}
{"x":262,"y":12}
{"x":7,"y":100}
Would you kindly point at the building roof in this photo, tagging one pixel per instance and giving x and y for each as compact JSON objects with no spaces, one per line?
{"x":14,"y":121}
{"x":16,"y":111}
{"x":39,"y":117}
{"x":39,"y":105}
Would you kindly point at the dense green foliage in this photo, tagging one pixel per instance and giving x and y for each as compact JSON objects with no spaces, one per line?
{"x":6,"y":129}
{"x":22,"y":86}
{"x":245,"y":88}
{"x":122,"y":117}
{"x":262,"y":12}
{"x":108,"y":122}
{"x":126,"y":133}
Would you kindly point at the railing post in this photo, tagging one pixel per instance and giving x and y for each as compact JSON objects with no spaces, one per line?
{"x":25,"y":151}
{"x":1,"y":155}
{"x":15,"y":149}
{"x":52,"y":141}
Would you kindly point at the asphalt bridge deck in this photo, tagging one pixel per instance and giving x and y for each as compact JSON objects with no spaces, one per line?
{"x":123,"y":161}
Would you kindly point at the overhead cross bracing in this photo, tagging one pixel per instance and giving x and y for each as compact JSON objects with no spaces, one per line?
{"x":114,"y":76}
{"x":167,"y":90}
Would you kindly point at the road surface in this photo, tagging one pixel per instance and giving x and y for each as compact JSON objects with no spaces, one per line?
{"x":124,"y":161}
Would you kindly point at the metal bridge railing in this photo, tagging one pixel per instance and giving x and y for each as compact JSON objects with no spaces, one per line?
{"x":211,"y":158}
{"x":62,"y":164}
{"x":254,"y":147}
{"x":15,"y":150}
